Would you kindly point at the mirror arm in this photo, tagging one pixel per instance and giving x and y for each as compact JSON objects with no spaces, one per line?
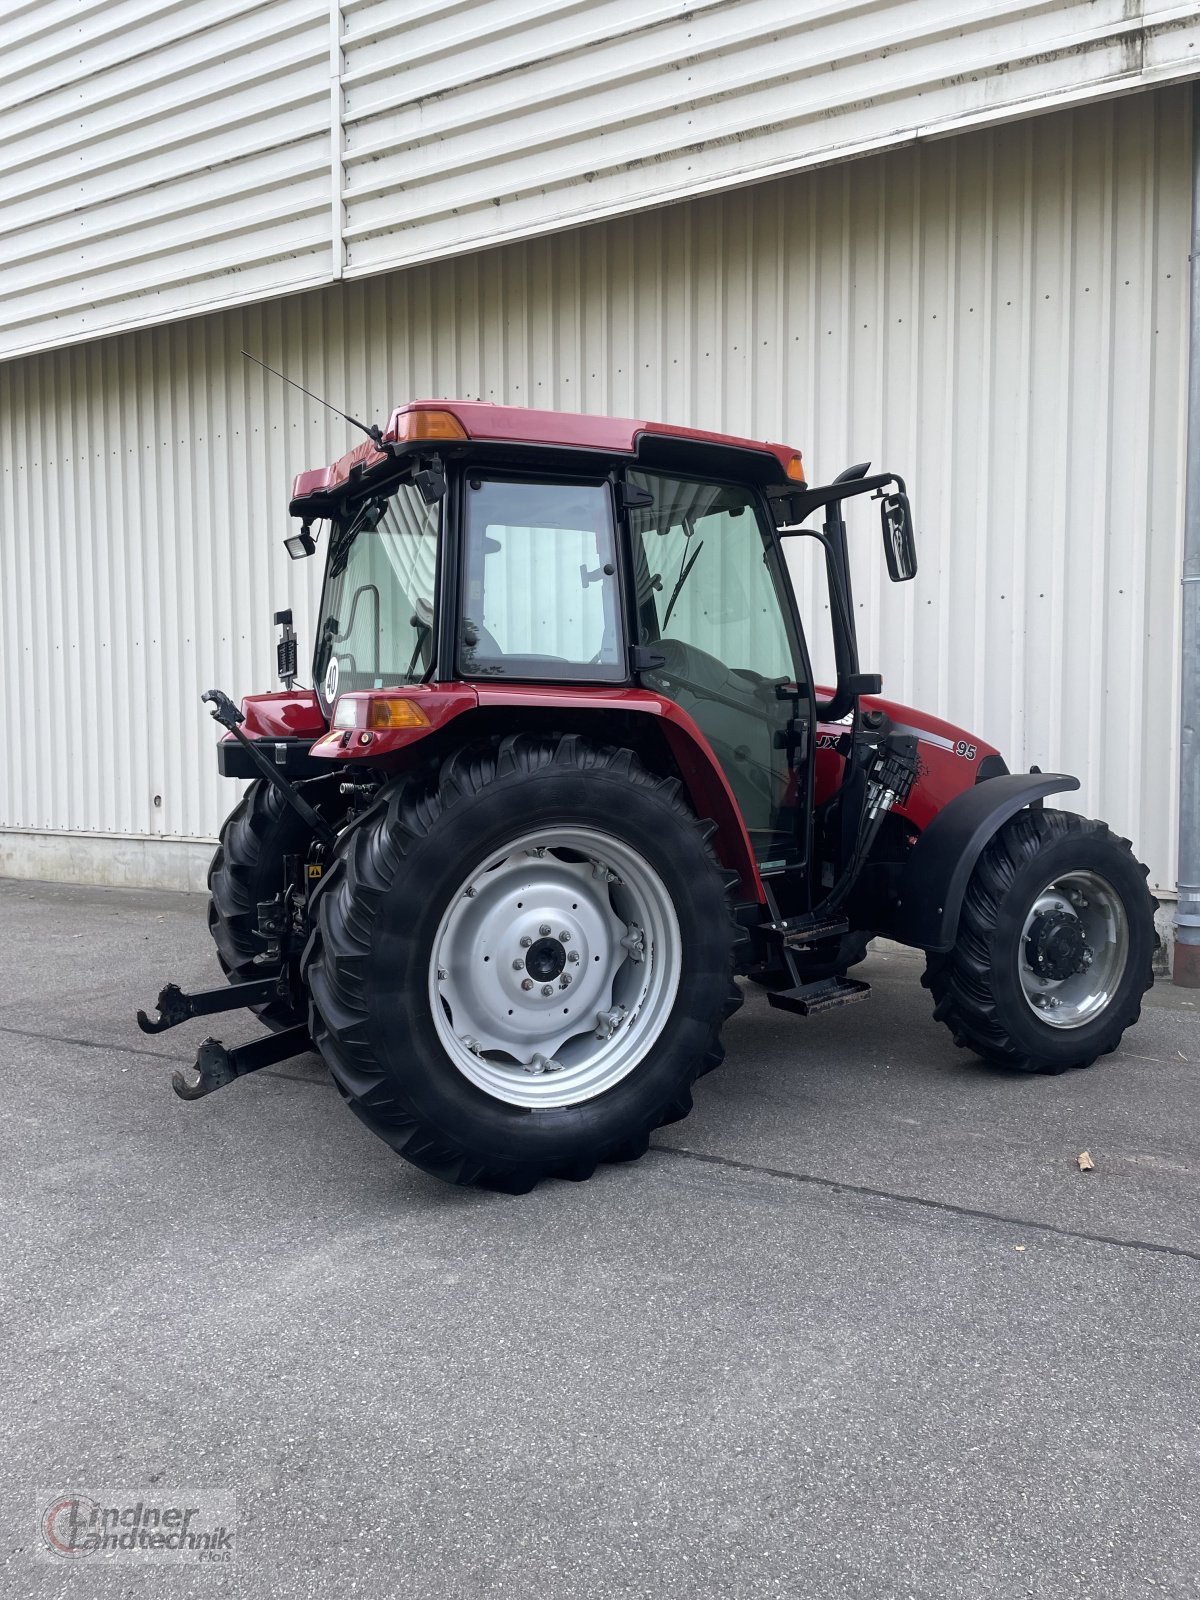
{"x":804,"y":502}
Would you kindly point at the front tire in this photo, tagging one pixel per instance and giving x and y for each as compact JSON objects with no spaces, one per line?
{"x":1055,"y":946}
{"x":439,"y":1004}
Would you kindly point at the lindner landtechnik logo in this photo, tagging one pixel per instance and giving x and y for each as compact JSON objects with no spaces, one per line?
{"x":188,"y":1526}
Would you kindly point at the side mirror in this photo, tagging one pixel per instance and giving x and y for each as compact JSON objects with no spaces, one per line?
{"x":899,"y":544}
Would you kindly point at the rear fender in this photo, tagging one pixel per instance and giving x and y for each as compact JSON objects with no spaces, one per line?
{"x":287,"y":714}
{"x":286,"y":723}
{"x":936,"y":873}
{"x":584,"y":710}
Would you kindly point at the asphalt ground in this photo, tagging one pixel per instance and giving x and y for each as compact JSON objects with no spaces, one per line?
{"x":858,"y":1327}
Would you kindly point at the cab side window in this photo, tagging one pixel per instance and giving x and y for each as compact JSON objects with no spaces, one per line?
{"x":701,"y":576}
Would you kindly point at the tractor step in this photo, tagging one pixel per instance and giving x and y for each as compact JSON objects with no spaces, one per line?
{"x":809,"y":998}
{"x":812,"y":929}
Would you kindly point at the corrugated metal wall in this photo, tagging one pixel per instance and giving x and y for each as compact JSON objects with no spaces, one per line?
{"x":1000,"y":317}
{"x":494,"y":120}
{"x":159,"y":157}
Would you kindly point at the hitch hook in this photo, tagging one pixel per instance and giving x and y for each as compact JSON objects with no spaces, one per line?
{"x":216,"y":1066}
{"x":172,"y":1008}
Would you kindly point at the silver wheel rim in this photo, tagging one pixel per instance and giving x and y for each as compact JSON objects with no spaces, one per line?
{"x":1085,"y":906}
{"x":555,"y":967}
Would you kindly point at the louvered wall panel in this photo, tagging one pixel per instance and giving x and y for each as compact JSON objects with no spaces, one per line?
{"x":159,"y":157}
{"x":465,"y":123}
{"x":163,"y":157}
{"x":1001,"y":317}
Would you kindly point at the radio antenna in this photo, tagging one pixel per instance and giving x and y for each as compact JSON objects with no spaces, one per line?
{"x":373,"y":432}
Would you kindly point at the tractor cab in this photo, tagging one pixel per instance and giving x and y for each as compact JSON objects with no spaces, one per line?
{"x":647,"y":559}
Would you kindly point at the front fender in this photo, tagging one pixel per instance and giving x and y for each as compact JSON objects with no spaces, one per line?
{"x":936,"y":874}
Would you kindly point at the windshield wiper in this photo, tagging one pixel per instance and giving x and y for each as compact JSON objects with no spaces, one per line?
{"x":339,"y":550}
{"x":339,"y":553}
{"x":680,"y":581}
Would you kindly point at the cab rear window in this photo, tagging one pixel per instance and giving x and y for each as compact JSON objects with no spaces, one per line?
{"x":540,"y":595}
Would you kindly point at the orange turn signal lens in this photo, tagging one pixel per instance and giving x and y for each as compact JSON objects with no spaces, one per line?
{"x":795,"y":468}
{"x":414,"y":426}
{"x":393,"y":712}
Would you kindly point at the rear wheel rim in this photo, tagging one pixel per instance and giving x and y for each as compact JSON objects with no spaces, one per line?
{"x":555,"y":967}
{"x":1086,"y":908}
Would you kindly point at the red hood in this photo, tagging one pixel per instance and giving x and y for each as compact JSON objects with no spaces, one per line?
{"x":949,"y":757}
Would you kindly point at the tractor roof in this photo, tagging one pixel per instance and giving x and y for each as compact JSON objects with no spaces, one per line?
{"x":442,"y":423}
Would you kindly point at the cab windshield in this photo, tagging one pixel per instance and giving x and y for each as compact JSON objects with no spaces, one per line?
{"x":377,"y":607}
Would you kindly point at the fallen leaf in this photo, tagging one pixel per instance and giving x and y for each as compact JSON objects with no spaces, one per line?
{"x":1084,"y":1162}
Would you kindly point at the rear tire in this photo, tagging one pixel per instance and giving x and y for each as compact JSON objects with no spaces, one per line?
{"x":248,"y":867}
{"x":415,"y":965}
{"x":1005,"y":990}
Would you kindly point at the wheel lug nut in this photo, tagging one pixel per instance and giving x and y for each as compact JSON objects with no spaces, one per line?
{"x":518,"y":965}
{"x":544,"y":929}
{"x":526,"y":941}
{"x":547,"y":990}
{"x":564,"y":937}
{"x":564,"y":980}
{"x":572,"y":955}
{"x":442,"y":974}
{"x":527,"y":983}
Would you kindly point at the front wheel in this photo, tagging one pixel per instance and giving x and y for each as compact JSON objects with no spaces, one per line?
{"x":517,"y":972}
{"x":1055,"y":946}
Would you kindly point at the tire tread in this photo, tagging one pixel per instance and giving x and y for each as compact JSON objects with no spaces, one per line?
{"x":356,"y":883}
{"x":960,"y":981}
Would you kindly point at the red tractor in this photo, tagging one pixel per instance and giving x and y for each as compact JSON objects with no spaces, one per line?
{"x":565,"y":775}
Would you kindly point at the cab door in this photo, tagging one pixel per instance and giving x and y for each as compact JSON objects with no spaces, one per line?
{"x":711,"y":613}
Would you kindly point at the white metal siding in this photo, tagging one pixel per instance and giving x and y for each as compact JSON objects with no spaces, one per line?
{"x":160,"y":157}
{"x":156,"y":157}
{"x":1000,"y":317}
{"x":494,"y":120}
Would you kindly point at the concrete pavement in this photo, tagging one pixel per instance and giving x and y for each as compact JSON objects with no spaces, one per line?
{"x":858,"y":1327}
